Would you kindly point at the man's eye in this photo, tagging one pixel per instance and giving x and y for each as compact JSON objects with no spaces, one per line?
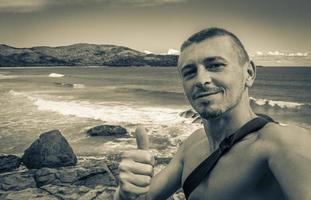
{"x":189,"y":73}
{"x":214,"y":65}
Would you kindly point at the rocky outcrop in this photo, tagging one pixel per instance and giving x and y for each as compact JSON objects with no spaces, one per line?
{"x":90,"y":174}
{"x":29,"y":193}
{"x":17,"y":181}
{"x":50,"y":150}
{"x":70,"y":192}
{"x":107,"y":130}
{"x":89,"y":179}
{"x":69,"y":85}
{"x":81,"y":55}
{"x":190,"y":113}
{"x":9,"y":163}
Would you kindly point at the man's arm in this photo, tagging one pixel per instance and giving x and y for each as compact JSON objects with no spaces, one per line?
{"x":165,"y":183}
{"x":289,"y":158}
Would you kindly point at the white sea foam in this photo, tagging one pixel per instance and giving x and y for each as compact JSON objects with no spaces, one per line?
{"x":55,"y":75}
{"x":110,"y":112}
{"x":78,"y":86}
{"x":14,"y":93}
{"x":126,"y":113}
{"x":278,"y":104}
{"x":3,"y":76}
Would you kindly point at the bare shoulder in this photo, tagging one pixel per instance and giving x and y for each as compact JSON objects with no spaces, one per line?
{"x":284,"y":133}
{"x":197,"y":137}
{"x":195,"y":147}
{"x":279,"y":137}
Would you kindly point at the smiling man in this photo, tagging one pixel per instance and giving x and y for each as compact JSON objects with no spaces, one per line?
{"x":266,"y":161}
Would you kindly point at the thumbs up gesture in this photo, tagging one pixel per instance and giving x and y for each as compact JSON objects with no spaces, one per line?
{"x":136,"y":168}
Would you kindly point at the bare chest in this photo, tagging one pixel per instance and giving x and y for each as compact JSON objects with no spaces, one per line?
{"x":242,"y":173}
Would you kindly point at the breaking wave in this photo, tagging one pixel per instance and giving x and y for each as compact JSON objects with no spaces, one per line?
{"x":285,"y":105}
{"x":112,"y":112}
{"x":3,"y":76}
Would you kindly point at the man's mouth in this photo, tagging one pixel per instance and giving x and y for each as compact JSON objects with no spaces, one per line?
{"x":205,"y":94}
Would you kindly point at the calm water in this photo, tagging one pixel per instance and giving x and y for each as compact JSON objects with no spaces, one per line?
{"x":31,"y":102}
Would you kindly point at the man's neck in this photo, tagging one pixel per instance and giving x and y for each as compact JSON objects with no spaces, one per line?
{"x":219,"y":128}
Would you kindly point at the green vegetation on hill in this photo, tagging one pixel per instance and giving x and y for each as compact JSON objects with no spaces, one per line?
{"x":81,"y":55}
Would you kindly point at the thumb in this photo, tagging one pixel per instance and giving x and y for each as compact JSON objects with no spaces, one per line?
{"x":142,"y":138}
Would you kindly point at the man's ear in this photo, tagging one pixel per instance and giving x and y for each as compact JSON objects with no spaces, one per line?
{"x":250,"y":74}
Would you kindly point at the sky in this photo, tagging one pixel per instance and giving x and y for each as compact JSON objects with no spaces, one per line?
{"x":155,"y":25}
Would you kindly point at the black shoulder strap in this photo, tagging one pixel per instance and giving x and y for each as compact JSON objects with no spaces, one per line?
{"x":203,"y":169}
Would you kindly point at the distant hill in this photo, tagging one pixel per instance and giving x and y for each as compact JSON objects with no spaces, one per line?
{"x":81,"y":55}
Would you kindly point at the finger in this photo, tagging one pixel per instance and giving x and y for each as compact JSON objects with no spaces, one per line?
{"x":142,"y":138}
{"x":139,"y":156}
{"x":135,"y":179}
{"x":127,"y":165}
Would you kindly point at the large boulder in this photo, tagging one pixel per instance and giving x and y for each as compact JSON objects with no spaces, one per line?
{"x":107,"y":130}
{"x":9,"y":163}
{"x":50,"y":150}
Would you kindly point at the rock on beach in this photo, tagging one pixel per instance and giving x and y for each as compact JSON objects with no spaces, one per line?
{"x":9,"y":163}
{"x":51,"y":149}
{"x":107,"y":130}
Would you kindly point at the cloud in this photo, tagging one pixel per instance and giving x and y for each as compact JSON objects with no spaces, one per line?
{"x":169,"y":52}
{"x":259,"y":53}
{"x":299,"y":54}
{"x":34,"y":5}
{"x":21,"y":5}
{"x":148,"y":52}
{"x":285,"y":54}
{"x":275,"y":53}
{"x":173,"y":52}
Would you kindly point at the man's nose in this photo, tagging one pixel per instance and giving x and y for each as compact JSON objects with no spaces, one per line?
{"x":203,"y":77}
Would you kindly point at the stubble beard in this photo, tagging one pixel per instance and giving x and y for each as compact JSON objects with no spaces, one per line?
{"x":211,"y":114}
{"x":208,"y":113}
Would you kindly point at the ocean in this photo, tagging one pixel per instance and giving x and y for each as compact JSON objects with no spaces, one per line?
{"x":74,"y":99}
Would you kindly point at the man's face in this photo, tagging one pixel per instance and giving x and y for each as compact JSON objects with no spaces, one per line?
{"x":213,"y":78}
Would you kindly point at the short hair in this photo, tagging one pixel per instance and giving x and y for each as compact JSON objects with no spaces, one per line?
{"x":214,"y":32}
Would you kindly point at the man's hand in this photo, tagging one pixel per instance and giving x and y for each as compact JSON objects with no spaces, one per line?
{"x":136,"y":168}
